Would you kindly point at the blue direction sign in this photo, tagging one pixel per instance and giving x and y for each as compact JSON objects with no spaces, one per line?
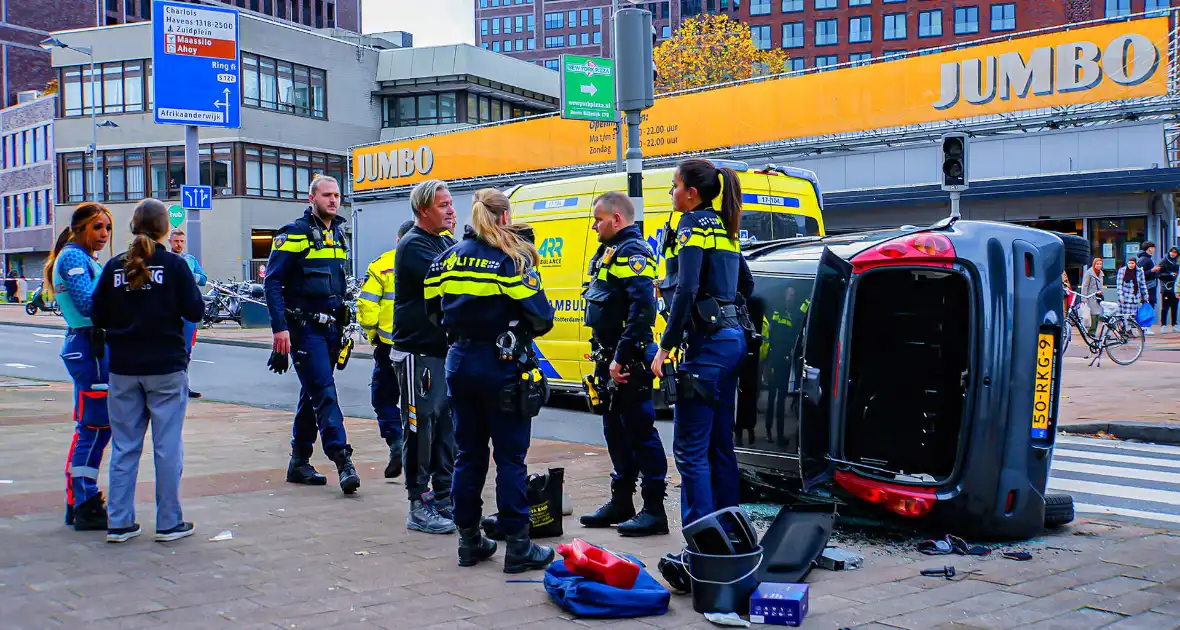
{"x":195,"y":65}
{"x":196,"y":197}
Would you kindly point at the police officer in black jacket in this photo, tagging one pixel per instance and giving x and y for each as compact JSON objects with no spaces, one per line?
{"x":305,"y":290}
{"x":621,"y":310}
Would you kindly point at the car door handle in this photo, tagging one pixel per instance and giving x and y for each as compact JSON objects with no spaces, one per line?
{"x":810,"y":387}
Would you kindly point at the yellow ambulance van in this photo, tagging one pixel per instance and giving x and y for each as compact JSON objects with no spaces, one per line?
{"x":777,"y":203}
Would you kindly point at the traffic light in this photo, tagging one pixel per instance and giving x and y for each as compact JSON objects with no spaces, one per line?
{"x":954,"y":162}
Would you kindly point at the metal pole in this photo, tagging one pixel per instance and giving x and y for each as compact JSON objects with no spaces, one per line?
{"x":192,"y":177}
{"x":93,"y":133}
{"x":356,"y":221}
{"x":955,"y":205}
{"x":635,"y":164}
{"x":614,"y":55}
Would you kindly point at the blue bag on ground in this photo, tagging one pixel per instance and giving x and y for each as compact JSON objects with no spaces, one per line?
{"x":585,"y":598}
{"x":1146,"y":315}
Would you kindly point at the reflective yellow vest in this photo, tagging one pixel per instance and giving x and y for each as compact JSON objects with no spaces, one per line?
{"x":374,"y":307}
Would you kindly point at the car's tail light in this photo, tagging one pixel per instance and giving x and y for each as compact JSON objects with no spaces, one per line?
{"x":909,"y":502}
{"x":918,"y":249}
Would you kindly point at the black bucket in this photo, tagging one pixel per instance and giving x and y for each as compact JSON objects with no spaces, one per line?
{"x":723,"y":584}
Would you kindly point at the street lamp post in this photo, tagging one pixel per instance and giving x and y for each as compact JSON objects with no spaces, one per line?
{"x":50,"y":43}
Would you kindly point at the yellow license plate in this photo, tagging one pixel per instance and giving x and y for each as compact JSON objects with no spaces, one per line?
{"x":1043,"y":385}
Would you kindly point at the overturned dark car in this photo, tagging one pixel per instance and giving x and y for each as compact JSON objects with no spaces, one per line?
{"x":915,"y":370}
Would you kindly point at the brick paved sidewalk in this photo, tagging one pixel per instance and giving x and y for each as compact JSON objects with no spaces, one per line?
{"x":312,"y":558}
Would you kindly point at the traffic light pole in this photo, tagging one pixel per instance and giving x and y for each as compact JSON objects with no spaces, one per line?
{"x":614,"y":53}
{"x":955,"y":205}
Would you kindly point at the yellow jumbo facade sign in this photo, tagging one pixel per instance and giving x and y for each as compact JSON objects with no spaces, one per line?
{"x":1108,"y":62}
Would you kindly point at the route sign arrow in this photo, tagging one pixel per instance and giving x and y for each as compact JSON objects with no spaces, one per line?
{"x":587,"y":88}
{"x":195,"y":65}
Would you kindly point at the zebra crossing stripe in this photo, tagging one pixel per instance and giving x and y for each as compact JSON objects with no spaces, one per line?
{"x":1087,"y":508}
{"x":1110,"y":457}
{"x":1112,"y":471}
{"x":1122,"y":446}
{"x":1115,"y":490}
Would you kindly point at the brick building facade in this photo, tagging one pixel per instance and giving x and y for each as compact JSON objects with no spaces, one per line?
{"x":813,"y":32}
{"x":24,"y":23}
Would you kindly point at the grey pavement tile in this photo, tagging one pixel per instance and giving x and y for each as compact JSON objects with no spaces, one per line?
{"x":828,"y":603}
{"x":1111,"y":587}
{"x":963,"y":609}
{"x":1032,"y":611}
{"x":879,"y":592}
{"x":525,"y":617}
{"x":1067,"y":579}
{"x":1131,"y":603}
{"x":1147,"y":621}
{"x":1083,"y":619}
{"x":1172,"y":607}
{"x":847,"y":617}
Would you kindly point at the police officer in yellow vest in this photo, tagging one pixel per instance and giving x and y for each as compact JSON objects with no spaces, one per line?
{"x":374,"y":313}
{"x":305,"y":290}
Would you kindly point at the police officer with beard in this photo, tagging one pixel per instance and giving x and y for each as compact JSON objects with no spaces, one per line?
{"x":621,"y":310}
{"x":305,"y":291}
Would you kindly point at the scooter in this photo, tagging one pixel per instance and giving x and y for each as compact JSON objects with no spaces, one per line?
{"x":37,"y":302}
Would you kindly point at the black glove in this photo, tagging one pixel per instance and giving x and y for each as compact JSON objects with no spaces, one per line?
{"x":278,"y":363}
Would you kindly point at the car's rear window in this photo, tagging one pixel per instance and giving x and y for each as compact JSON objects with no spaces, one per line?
{"x":768,"y":226}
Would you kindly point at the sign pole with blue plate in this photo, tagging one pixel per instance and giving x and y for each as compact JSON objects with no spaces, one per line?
{"x":195,"y":75}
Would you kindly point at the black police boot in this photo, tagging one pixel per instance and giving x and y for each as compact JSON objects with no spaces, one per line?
{"x":301,"y":471}
{"x":524,"y":555}
{"x":69,"y":514}
{"x":651,"y":520}
{"x":474,"y":547}
{"x":91,"y":516}
{"x":349,"y":481}
{"x":620,"y":508}
{"x":394,"y":468}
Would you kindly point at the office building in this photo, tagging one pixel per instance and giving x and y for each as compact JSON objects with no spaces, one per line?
{"x":815,"y":33}
{"x":24,"y":66}
{"x":27,"y":191}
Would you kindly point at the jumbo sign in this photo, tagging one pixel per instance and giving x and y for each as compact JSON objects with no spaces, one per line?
{"x":1109,"y":62}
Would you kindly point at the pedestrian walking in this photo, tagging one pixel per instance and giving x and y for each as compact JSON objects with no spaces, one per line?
{"x":1132,"y":288}
{"x":419,"y":356}
{"x":142,"y":300}
{"x":374,"y":314}
{"x":11,"y":287}
{"x":486,"y":292}
{"x":1146,"y":264}
{"x":706,"y":268}
{"x":620,"y":312}
{"x":177,"y":242}
{"x":71,"y":274}
{"x":1092,"y":283}
{"x":305,"y":291}
{"x":1169,"y":271}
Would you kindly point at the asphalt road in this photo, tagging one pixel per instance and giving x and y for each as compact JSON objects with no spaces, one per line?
{"x":239,"y":375}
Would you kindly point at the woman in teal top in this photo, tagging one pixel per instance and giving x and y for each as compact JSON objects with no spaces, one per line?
{"x":72,"y":273}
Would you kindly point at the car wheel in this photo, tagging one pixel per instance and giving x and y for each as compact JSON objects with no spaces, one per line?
{"x":1058,"y":509}
{"x":1077,"y":250}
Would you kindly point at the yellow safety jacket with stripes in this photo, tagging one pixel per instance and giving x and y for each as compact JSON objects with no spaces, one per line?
{"x":374,"y":307}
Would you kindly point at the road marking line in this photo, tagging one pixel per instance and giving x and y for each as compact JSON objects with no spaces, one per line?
{"x":1130,"y":446}
{"x":1122,"y":459}
{"x":1112,"y":471}
{"x":41,"y":341}
{"x":200,"y":361}
{"x":19,"y":366}
{"x":1115,"y":490}
{"x":1103,"y":509}
{"x":49,"y":336}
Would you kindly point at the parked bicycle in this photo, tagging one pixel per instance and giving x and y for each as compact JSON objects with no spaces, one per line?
{"x":1120,"y":336}
{"x":223,"y":302}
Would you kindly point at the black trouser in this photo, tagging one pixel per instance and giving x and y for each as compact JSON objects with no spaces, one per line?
{"x":1169,"y":306}
{"x":428,"y":432}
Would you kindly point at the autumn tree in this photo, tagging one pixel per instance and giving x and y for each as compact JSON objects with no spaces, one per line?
{"x":712,"y":49}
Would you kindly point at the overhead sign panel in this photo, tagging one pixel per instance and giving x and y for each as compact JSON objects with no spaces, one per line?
{"x":587,"y":88}
{"x":1108,"y":62}
{"x":195,"y":66}
{"x":197,"y":197}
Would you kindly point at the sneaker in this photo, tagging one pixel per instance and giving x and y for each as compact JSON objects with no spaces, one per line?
{"x":444,"y":507}
{"x":123,"y":534}
{"x":1176,"y":329}
{"x":1148,"y":331}
{"x":424,"y":518}
{"x":183,"y":530}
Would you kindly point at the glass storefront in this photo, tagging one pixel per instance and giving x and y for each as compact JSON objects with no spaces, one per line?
{"x":1115,"y":240}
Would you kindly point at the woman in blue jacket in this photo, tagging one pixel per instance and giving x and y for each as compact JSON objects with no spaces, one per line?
{"x":72,"y":273}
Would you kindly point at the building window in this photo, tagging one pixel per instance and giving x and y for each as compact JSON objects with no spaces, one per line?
{"x":551,"y":63}
{"x":585,"y":15}
{"x":483,"y":27}
{"x":573,"y":19}
{"x":792,"y":6}
{"x":555,"y":41}
{"x":507,"y":25}
{"x":280,"y":85}
{"x":119,"y":88}
{"x":520,"y":24}
{"x":1118,"y":8}
{"x":666,"y":32}
{"x":132,"y":174}
{"x":827,"y":32}
{"x":825,"y":4}
{"x":966,"y":20}
{"x":1157,"y":5}
{"x":532,"y":22}
{"x":572,"y":39}
{"x":483,"y":4}
{"x":860,"y":29}
{"x":759,"y":7}
{"x":496,"y":46}
{"x":1004,"y":17}
{"x":508,"y":45}
{"x":793,"y":35}
{"x":597,"y":13}
{"x":826,"y":61}
{"x":930,"y":23}
{"x":859,"y":3}
{"x":495,"y":27}
{"x":554,"y":20}
{"x":532,"y":43}
{"x":286,"y":173}
{"x":597,"y":38}
{"x":860,"y":59}
{"x":895,"y":26}
{"x":761,"y":36}
{"x":796,"y":65}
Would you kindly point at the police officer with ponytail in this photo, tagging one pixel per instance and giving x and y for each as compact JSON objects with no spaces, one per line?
{"x":706,"y":285}
{"x":621,"y":310}
{"x":486,"y":293}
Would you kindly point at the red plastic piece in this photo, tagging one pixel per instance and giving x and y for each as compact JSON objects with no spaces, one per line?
{"x":598,"y":564}
{"x":906,"y":501}
{"x":925,"y":249}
